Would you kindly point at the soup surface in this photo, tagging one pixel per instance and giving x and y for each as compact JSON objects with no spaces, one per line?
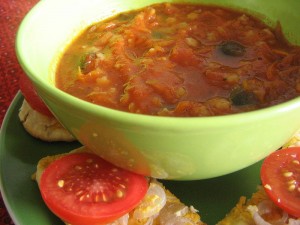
{"x":181,"y":60}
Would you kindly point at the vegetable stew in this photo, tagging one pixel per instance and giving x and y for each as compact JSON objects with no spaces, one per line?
{"x":183,"y":60}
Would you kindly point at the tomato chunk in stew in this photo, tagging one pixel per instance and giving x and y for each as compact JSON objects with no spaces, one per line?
{"x":181,"y":60}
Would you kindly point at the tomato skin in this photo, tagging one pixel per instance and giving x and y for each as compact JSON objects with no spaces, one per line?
{"x":32,"y":96}
{"x":83,"y":189}
{"x":280,"y":176}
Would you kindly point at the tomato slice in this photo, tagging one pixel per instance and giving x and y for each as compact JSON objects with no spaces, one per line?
{"x":280,"y":175}
{"x":84,"y":189}
{"x":32,"y":96}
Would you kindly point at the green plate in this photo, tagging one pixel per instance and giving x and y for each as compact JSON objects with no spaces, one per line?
{"x":19,"y":153}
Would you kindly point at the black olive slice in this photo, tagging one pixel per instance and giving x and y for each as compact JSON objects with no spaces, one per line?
{"x":240,"y":97}
{"x":233,"y":48}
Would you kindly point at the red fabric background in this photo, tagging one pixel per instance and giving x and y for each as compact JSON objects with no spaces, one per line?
{"x":11,"y":14}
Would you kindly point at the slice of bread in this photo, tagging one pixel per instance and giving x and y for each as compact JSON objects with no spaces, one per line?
{"x":259,"y":209}
{"x":41,"y":126}
{"x":171,"y":211}
{"x":240,"y":215}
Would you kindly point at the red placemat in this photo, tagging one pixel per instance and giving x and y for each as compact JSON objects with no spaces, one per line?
{"x":11,"y":14}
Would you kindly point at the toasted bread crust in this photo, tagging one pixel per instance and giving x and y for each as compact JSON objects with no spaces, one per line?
{"x":41,"y":126}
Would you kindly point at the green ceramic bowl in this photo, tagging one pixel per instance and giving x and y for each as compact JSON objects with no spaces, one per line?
{"x":168,"y":148}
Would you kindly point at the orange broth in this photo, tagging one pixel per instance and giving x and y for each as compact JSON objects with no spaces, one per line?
{"x":181,"y":60}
